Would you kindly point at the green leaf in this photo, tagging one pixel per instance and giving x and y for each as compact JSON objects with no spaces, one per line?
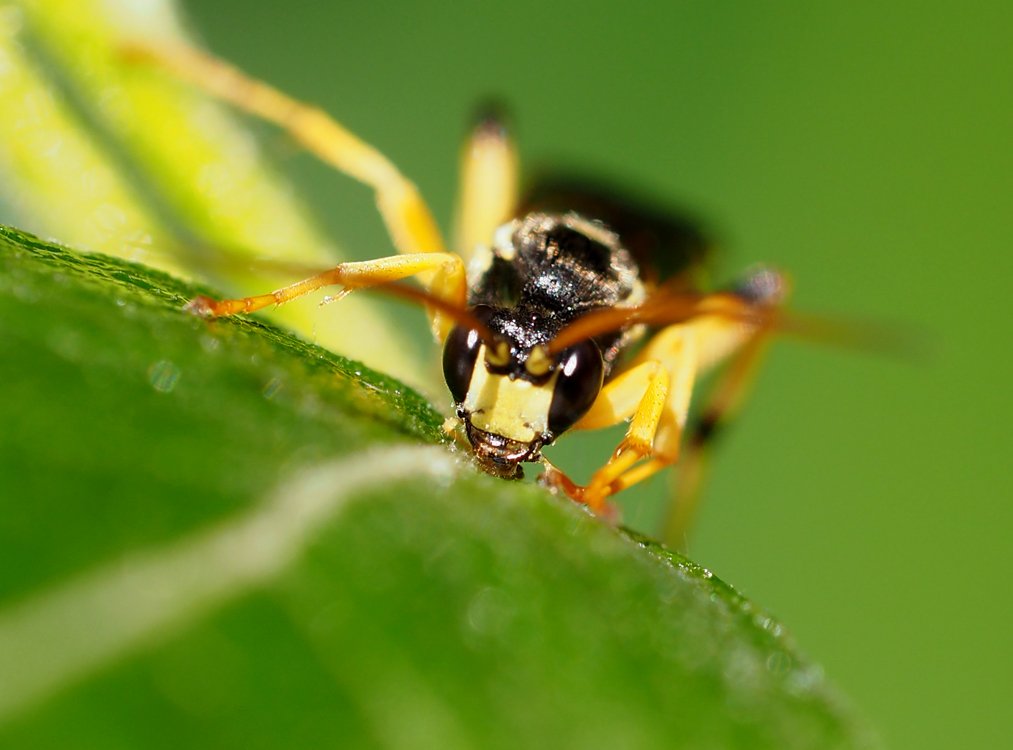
{"x":215,"y":535}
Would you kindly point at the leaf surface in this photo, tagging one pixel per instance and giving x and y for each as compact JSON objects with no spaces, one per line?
{"x":213,"y":534}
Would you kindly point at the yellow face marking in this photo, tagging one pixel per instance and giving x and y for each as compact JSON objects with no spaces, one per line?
{"x":499,"y":354}
{"x":538,"y":362}
{"x":515,"y":409}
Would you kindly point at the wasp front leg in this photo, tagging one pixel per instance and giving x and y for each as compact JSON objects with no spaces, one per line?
{"x":444,"y":273}
{"x":656,"y":425}
{"x":658,"y":406}
{"x":654,"y":396}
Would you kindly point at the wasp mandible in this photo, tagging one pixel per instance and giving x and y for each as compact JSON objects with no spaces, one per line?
{"x":565,"y":311}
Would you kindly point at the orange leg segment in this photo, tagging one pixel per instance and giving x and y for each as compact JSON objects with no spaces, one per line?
{"x":445,"y":270}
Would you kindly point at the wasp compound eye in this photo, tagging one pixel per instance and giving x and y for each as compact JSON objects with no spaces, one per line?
{"x":459,"y":355}
{"x":577,"y":386}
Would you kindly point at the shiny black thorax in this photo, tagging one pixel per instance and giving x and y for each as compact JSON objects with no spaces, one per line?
{"x":552,"y":269}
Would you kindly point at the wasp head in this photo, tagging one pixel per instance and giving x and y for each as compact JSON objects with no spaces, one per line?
{"x":514,"y":399}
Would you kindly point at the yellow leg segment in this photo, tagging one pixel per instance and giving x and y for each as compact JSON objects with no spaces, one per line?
{"x":652,"y":440}
{"x":620,"y":397}
{"x":408,"y":219}
{"x":655,"y":398}
{"x":445,"y":272}
{"x":488,"y":186}
{"x":654,"y":394}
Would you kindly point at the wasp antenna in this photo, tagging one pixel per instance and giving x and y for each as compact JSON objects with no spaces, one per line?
{"x":875,"y":337}
{"x":665,"y":307}
{"x":669,"y":308}
{"x":590,"y":325}
{"x":458,"y":313}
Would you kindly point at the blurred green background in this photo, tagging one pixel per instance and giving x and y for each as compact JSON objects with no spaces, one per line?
{"x":866,"y":150}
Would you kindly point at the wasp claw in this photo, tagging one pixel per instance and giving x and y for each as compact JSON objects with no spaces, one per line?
{"x":201,"y":306}
{"x":557,"y":482}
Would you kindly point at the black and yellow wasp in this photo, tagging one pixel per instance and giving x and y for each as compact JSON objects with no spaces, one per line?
{"x":567,"y":311}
